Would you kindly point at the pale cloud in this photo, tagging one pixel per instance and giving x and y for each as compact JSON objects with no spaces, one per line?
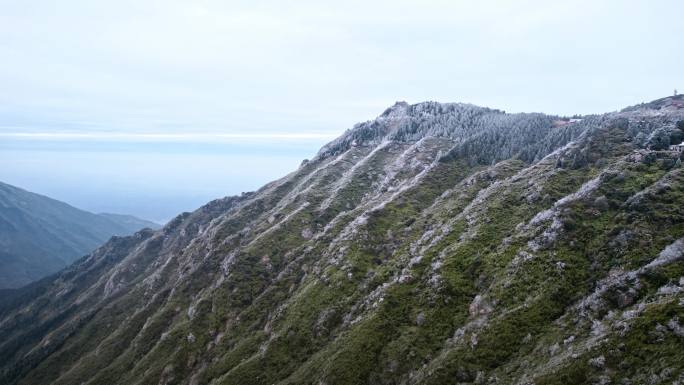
{"x":168,"y":137}
{"x":288,"y":65}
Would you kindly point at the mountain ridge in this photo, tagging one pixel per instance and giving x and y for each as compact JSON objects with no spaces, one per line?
{"x":435,"y":244}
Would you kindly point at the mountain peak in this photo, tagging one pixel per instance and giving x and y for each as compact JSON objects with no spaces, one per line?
{"x":668,"y":103}
{"x":405,"y":122}
{"x":398,"y":109}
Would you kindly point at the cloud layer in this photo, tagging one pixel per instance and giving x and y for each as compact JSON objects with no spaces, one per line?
{"x":318,"y":65}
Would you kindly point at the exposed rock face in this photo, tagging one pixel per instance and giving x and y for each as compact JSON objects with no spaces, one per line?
{"x":439,"y":243}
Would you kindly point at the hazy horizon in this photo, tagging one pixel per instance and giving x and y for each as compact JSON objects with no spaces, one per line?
{"x":88,"y":174}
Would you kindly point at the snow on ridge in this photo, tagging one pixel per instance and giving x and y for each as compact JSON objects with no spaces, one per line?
{"x":673,"y":252}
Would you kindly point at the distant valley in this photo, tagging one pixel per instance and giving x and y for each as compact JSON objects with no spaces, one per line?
{"x":40,"y":235}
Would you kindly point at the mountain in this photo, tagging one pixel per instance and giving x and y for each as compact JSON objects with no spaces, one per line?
{"x":436,"y":244}
{"x":39,"y":235}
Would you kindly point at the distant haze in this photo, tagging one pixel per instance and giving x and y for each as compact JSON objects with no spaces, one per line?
{"x":153,"y":180}
{"x":155,"y":107}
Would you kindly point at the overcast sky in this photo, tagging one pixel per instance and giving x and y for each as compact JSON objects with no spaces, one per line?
{"x":153,"y":107}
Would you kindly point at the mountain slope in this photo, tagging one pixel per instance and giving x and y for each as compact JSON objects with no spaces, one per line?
{"x":436,"y":244}
{"x":39,"y":235}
